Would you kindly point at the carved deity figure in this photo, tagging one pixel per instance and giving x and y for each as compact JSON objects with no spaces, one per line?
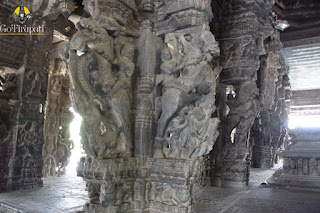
{"x":49,"y":166}
{"x":187,"y":100}
{"x":29,"y":138}
{"x":100,"y":58}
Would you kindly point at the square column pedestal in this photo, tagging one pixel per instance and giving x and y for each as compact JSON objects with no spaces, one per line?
{"x":138,"y":185}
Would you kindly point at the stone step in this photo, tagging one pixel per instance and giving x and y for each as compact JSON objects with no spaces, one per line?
{"x":299,"y":181}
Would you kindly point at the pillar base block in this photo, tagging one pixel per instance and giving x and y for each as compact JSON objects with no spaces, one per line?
{"x":135,"y":185}
{"x":235,"y":174}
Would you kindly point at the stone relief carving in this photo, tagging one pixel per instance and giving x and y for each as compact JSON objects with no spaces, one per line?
{"x":7,"y":102}
{"x":301,"y":166}
{"x":270,"y":76}
{"x":57,"y":147}
{"x":29,"y":138}
{"x":104,"y":58}
{"x":168,"y":70}
{"x":23,"y":148}
{"x":8,"y":113}
{"x":188,"y":97}
{"x":101,"y":68}
{"x":243,"y":27}
{"x":243,"y":110}
{"x":28,"y":162}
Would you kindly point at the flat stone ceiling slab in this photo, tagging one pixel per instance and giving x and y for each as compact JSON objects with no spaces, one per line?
{"x":304,"y":66}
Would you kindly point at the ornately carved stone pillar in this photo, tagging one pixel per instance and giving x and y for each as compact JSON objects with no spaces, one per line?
{"x":8,"y":116}
{"x":57,"y":147}
{"x":101,"y":61}
{"x":268,"y":76}
{"x":12,"y":53}
{"x":240,"y":49}
{"x":144,"y":155}
{"x":28,"y":55}
{"x":22,"y":159}
{"x":148,"y":46}
{"x":185,"y":109}
{"x":28,"y":160}
{"x":279,"y":119}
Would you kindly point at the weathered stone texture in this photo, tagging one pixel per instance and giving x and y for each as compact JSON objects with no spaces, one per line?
{"x":238,"y":37}
{"x":301,"y":164}
{"x":144,"y":155}
{"x":57,"y":148}
{"x":24,"y":139}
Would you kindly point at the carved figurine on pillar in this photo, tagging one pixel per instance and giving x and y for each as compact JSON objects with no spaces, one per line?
{"x":243,"y":111}
{"x":57,"y":147}
{"x":191,"y":96}
{"x":268,"y":76}
{"x":100,"y":58}
{"x":172,"y":112}
{"x":104,"y":79}
{"x":241,"y":40}
{"x":29,"y":56}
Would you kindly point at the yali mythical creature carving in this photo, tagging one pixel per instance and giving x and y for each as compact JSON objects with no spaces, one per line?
{"x":185,"y":127}
{"x":100,"y":57}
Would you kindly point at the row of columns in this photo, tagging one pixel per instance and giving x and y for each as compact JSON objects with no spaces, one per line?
{"x":145,"y":77}
{"x":253,"y":83}
{"x":24,"y":97}
{"x":25,"y":63}
{"x":58,"y":145}
{"x":146,"y":140}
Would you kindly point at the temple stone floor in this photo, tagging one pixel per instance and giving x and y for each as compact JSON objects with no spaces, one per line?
{"x":258,"y":198}
{"x":58,"y":195}
{"x":67,"y":194}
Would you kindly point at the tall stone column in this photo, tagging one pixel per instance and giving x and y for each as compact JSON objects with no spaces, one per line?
{"x":8,"y":116}
{"x":279,"y":119}
{"x":28,"y":160}
{"x":267,"y":77}
{"x":143,"y":83}
{"x":185,"y":108}
{"x":240,"y":49}
{"x":22,"y":142}
{"x":101,"y":60}
{"x":12,"y":54}
{"x":57,"y":146}
{"x":24,"y":94}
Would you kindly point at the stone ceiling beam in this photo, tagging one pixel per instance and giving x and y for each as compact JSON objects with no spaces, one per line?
{"x":299,"y":34}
